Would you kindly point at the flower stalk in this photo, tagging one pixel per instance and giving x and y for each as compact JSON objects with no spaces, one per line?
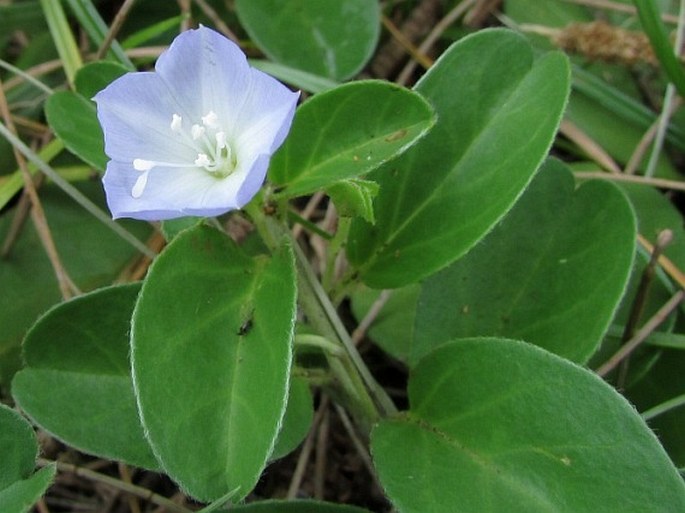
{"x":356,"y":387}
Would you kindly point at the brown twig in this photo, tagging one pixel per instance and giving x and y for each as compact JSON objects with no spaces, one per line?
{"x":33,"y":72}
{"x":479,"y":12}
{"x":305,"y":452}
{"x":414,"y":27}
{"x":143,"y":493}
{"x":138,"y":267}
{"x":117,"y":23}
{"x":671,"y":269}
{"x":361,"y":449}
{"x":639,"y":337}
{"x":661,"y":183}
{"x":209,"y":11}
{"x":618,"y":7}
{"x":640,"y":300}
{"x":452,"y":16}
{"x":20,"y":215}
{"x":370,"y":317}
{"x":406,"y":43}
{"x":184,"y":7}
{"x":589,"y":146}
{"x":307,"y":212}
{"x":125,"y":473}
{"x":66,"y":285}
{"x":641,"y":149}
{"x":42,"y":507}
{"x":321,"y":459}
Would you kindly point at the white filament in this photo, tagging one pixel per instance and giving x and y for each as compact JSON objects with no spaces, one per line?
{"x":214,"y":155}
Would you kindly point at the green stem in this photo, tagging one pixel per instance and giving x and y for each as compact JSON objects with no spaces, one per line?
{"x":305,"y":339}
{"x":63,"y":38}
{"x":336,"y":244}
{"x":361,"y":393}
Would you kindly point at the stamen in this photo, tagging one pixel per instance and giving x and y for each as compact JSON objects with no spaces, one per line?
{"x":215,"y":157}
{"x":176,"y":121}
{"x":220,"y":140}
{"x":210,"y":120}
{"x":202,"y":160}
{"x":197,"y":131}
{"x":143,"y":165}
{"x":139,"y":186}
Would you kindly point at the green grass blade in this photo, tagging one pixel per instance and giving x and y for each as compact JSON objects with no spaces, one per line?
{"x":149,"y":33}
{"x":302,"y":79}
{"x":622,"y":105}
{"x":11,"y":184}
{"x":63,"y":37}
{"x":671,"y":404}
{"x":90,"y":19}
{"x":74,"y":193}
{"x":654,"y":28}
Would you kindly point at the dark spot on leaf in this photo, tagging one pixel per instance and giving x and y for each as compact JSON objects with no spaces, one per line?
{"x":245,"y":327}
{"x":396,"y":136}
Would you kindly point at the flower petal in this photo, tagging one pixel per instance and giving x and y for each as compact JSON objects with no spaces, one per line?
{"x":267,"y":112}
{"x":136,"y":111}
{"x":169,"y":192}
{"x":253,"y":180}
{"x":174,"y":135}
{"x":206,"y":71}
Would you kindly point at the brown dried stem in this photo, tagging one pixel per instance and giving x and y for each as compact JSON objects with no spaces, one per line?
{"x":117,"y":23}
{"x":434,"y":35}
{"x":66,"y":285}
{"x":642,"y":334}
{"x":216,"y":19}
{"x":116,"y":484}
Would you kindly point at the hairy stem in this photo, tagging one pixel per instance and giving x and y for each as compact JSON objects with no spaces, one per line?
{"x":360,"y":392}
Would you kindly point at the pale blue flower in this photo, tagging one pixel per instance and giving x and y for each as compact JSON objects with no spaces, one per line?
{"x":193,"y":138}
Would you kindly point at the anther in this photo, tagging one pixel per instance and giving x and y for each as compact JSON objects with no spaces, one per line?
{"x":176,"y":121}
{"x":210,"y":120}
{"x":197,"y":131}
{"x":202,"y":160}
{"x":139,"y":186}
{"x":220,"y":140}
{"x":143,"y":165}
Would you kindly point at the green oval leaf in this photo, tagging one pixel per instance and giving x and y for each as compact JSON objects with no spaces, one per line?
{"x":552,"y":273}
{"x":95,"y":76}
{"x":346,"y":132}
{"x":498,"y":112}
{"x":502,"y":426}
{"x":297,"y":419}
{"x":77,"y":381}
{"x":20,"y":488}
{"x":73,"y":119}
{"x":211,"y":352}
{"x":330,"y":38}
{"x":28,"y":281}
{"x":21,"y":495}
{"x":18,"y":446}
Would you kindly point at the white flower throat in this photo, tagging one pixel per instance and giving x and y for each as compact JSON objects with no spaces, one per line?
{"x":214,"y":154}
